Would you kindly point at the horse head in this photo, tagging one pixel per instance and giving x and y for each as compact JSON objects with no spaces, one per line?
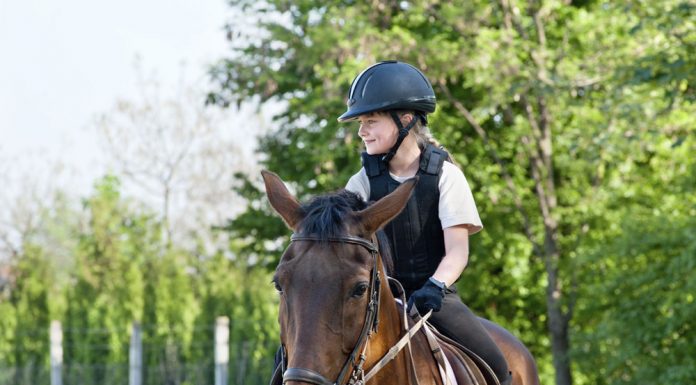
{"x":329,"y":279}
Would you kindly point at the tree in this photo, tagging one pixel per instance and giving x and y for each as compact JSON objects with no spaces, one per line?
{"x":246,"y":296}
{"x":30,"y":301}
{"x":107,"y":293}
{"x":180,"y":155}
{"x":36,"y":225}
{"x":127,"y":272}
{"x":30,"y":188}
{"x":169,"y":319}
{"x":638,"y":304}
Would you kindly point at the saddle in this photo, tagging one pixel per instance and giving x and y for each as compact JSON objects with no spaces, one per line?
{"x":458,"y":364}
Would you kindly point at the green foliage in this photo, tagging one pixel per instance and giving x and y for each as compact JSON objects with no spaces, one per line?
{"x":124,"y":272}
{"x":247,"y":298}
{"x":25,"y":325}
{"x":254,"y":329}
{"x":638,"y":307}
{"x":33,"y":296}
{"x":8,"y":327}
{"x":258,"y":222}
{"x":108,"y":293}
{"x":170,"y":334}
{"x":643,"y":307}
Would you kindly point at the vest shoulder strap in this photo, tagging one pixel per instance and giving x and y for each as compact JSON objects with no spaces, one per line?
{"x":373,"y":164}
{"x":432,"y":160}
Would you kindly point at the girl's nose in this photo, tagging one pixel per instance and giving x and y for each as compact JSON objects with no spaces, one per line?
{"x":361,"y":130}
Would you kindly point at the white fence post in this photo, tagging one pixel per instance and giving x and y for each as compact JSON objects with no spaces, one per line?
{"x":56,"y":336}
{"x":222,"y":349}
{"x":135,"y":356}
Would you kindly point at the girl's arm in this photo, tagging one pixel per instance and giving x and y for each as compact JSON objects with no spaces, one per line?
{"x":456,"y":254}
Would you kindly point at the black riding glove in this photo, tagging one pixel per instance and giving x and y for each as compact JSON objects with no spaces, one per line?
{"x":426,"y":298}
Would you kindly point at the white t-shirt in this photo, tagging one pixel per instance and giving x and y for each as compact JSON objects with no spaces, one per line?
{"x":456,"y":207}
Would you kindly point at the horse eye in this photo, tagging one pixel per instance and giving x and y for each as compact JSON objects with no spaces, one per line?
{"x":277,"y":286}
{"x":359,"y":290}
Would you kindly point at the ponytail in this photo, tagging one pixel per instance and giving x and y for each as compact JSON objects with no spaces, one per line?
{"x":424,"y":136}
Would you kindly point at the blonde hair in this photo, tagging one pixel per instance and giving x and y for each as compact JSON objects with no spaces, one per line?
{"x":423,"y":134}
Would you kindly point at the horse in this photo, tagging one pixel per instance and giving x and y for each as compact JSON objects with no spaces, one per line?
{"x":336,"y":323}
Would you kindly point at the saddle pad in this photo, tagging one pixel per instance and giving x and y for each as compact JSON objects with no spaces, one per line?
{"x":449,"y":375}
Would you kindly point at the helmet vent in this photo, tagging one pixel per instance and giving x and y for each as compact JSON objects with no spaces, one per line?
{"x":351,"y":94}
{"x":364,"y":89}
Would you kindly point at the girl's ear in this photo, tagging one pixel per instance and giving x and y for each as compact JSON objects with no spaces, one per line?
{"x":406,"y":119}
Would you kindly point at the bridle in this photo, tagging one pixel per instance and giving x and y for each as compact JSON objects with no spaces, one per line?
{"x":356,"y":359}
{"x":357,"y":373}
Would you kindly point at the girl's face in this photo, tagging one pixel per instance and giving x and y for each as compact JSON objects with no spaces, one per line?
{"x":378,"y":132}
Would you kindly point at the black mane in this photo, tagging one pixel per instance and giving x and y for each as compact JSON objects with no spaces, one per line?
{"x":325,"y":218}
{"x":325,"y":214}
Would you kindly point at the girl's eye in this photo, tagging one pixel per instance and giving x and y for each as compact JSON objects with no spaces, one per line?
{"x":359,"y":290}
{"x":366,"y":123}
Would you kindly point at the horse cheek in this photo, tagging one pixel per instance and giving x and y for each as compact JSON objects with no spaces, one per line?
{"x":353,"y":320}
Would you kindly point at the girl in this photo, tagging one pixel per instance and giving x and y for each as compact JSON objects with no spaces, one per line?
{"x":430,"y":238}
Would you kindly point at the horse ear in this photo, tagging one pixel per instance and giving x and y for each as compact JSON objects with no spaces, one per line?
{"x":385,"y":209}
{"x":284,"y":203}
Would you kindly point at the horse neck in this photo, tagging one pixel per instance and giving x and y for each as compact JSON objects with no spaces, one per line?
{"x":389,"y":332}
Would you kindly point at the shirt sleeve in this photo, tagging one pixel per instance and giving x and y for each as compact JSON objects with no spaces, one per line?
{"x":360,"y":184}
{"x":457,"y":205}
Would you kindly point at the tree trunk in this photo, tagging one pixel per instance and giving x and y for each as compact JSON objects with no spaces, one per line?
{"x":539,"y":147}
{"x":557,"y":320}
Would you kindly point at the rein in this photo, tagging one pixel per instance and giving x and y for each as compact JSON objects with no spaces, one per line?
{"x":357,"y":373}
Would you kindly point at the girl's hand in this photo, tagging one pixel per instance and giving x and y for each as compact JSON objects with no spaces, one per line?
{"x":428,"y":297}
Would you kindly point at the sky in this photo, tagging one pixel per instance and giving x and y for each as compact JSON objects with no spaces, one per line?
{"x":63,"y":63}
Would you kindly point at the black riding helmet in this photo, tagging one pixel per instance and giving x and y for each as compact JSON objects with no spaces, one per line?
{"x":391,"y":86}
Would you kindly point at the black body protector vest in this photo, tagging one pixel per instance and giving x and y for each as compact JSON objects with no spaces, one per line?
{"x":415,"y":235}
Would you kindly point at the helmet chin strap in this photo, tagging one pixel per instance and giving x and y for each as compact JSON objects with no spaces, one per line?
{"x":403,"y":132}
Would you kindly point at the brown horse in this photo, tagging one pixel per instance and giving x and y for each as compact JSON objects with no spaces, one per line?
{"x":336,"y":323}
